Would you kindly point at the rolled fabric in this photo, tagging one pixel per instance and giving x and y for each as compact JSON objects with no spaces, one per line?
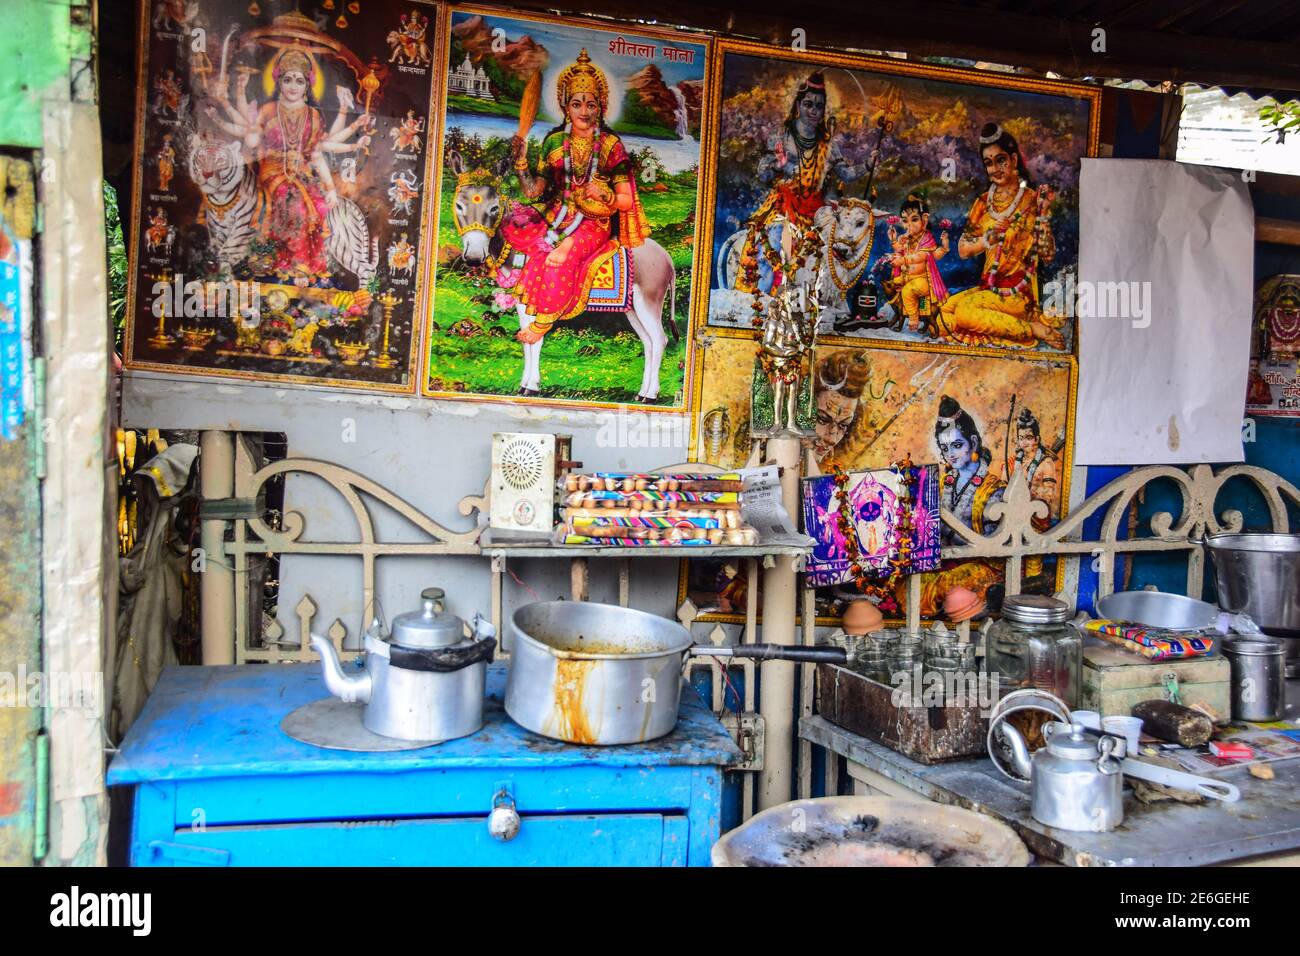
{"x":641,"y":521}
{"x":1153,"y":643}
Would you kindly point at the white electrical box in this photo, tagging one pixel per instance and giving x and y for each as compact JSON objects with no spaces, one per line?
{"x":523,"y":482}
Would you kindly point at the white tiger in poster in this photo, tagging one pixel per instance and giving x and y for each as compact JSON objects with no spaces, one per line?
{"x":230,"y":201}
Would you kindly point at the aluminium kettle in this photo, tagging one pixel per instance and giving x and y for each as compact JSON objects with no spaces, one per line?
{"x":1076,"y":779}
{"x":423,"y":681}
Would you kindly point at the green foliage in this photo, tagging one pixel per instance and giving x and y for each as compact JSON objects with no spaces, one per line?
{"x":638,"y":112}
{"x":639,"y":118}
{"x":490,"y":364}
{"x":1281,"y":118}
{"x":460,"y":103}
{"x":504,"y":85}
{"x":654,"y":130}
{"x":478,"y":154}
{"x":118,"y":264}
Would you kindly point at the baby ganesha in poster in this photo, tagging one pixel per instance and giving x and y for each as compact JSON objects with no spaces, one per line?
{"x":941,"y":210}
{"x":571,"y":171}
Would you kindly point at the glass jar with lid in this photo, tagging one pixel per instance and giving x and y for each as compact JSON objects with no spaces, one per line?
{"x":1035,"y":645}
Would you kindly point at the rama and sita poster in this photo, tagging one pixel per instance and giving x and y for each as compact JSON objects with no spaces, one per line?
{"x":481,"y":205}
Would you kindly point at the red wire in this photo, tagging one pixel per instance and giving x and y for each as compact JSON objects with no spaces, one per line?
{"x":726,"y":679}
{"x":511,"y":572}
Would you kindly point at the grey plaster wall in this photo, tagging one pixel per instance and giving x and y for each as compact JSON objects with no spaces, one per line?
{"x":432,"y":454}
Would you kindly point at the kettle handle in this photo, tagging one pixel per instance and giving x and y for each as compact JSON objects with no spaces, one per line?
{"x":1053,"y":727}
{"x":482,"y":628}
{"x":1108,"y":763}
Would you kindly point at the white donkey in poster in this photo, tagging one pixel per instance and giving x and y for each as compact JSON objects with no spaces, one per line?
{"x":478,"y":206}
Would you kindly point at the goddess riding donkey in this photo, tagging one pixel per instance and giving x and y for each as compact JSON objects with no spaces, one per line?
{"x":589,"y":221}
{"x":590,"y":215}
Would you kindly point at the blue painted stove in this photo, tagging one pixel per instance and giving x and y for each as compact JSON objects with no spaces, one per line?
{"x":218,"y":783}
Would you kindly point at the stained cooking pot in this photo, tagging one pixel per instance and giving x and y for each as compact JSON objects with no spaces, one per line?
{"x":601,"y":674}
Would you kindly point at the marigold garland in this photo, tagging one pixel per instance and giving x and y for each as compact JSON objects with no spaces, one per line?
{"x":809,"y":242}
{"x":869,"y":582}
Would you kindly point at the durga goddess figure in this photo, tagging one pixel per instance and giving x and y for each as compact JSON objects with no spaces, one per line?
{"x":289,"y":138}
{"x":589,"y":207}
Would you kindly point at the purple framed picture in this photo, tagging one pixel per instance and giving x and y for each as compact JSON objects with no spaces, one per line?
{"x":872,"y":501}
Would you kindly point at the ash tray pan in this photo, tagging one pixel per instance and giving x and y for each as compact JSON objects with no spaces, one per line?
{"x":870,"y":831}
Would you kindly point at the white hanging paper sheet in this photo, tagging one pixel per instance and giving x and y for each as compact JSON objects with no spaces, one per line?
{"x":1166,"y":277}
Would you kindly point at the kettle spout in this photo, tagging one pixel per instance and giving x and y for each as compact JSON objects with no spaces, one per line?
{"x":339,"y":684}
{"x":1019,"y":749}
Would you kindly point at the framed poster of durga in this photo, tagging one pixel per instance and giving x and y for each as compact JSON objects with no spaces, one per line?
{"x":571,"y":166}
{"x":282,"y":156}
{"x":948,"y":199}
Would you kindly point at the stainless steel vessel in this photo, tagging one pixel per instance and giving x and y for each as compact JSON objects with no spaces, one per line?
{"x":1259,"y":575}
{"x":1159,"y":609}
{"x":1075,"y":779}
{"x":1258,"y":678}
{"x":422,"y":682}
{"x":601,"y":674}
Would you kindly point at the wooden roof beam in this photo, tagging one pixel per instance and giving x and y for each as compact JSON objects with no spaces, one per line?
{"x":936,"y":28}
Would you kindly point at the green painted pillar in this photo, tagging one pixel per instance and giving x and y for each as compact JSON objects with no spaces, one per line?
{"x":40,"y":41}
{"x":20,"y":644}
{"x":44,"y":46}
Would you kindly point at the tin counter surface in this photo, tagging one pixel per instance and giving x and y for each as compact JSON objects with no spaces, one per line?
{"x":1264,"y":822}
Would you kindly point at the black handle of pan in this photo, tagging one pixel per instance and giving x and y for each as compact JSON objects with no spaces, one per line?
{"x":820,"y":654}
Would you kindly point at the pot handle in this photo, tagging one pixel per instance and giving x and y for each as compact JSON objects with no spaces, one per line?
{"x":820,"y":654}
{"x":483,"y":628}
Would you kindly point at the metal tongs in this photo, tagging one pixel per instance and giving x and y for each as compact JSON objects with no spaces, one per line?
{"x":1130,"y":766}
{"x":1180,"y":780}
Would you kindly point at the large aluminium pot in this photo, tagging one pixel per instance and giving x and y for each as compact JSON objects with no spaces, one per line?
{"x":588,"y":673}
{"x":1259,"y":575}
